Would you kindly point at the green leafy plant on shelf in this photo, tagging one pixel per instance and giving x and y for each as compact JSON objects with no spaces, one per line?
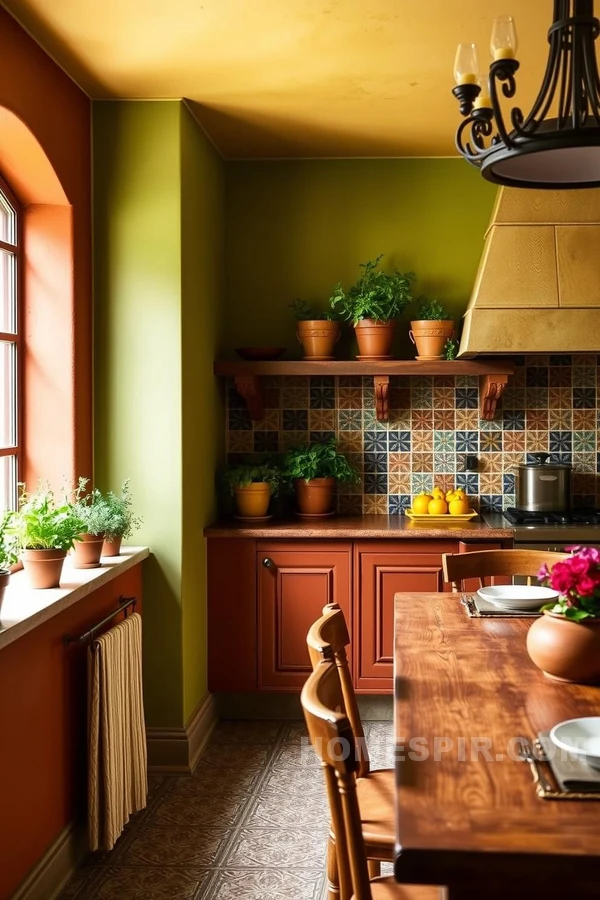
{"x":120,"y":519}
{"x":376,"y":295}
{"x":92,"y":507}
{"x":450,"y":349}
{"x":318,"y":460}
{"x":8,"y":542}
{"x":304,"y":312}
{"x":242,"y":476}
{"x":43,"y":524}
{"x":431,"y":310}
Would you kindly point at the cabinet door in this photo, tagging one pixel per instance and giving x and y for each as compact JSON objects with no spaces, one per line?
{"x":295,"y":582}
{"x":383,"y":570}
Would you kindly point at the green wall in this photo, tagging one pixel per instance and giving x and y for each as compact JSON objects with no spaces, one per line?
{"x":293,"y":229}
{"x":157,"y":242}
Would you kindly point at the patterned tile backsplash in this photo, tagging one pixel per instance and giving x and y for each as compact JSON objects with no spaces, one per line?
{"x":550,"y":404}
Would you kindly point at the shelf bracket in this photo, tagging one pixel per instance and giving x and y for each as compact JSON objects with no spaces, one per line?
{"x":250,"y":388}
{"x":491,"y":388}
{"x":381,"y":384}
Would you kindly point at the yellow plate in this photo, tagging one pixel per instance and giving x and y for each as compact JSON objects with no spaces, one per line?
{"x":426,"y":517}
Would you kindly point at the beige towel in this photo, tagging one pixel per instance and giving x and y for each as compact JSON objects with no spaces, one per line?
{"x":117,"y":776}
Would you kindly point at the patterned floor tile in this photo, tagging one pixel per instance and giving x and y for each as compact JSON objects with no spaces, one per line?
{"x":149,"y":884}
{"x":266,"y":848}
{"x":267,"y":885}
{"x":162,"y":843}
{"x":267,"y":810}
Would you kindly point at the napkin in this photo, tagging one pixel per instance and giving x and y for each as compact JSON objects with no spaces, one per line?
{"x":571,"y":773}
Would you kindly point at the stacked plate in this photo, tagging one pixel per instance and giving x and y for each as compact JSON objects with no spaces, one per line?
{"x":517,"y":596}
{"x":580,"y":738}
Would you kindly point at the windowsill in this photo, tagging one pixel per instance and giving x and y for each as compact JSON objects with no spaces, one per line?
{"x":24,"y":608}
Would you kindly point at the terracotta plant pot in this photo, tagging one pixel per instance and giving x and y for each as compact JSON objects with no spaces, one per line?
{"x":252,"y":501}
{"x":4,"y":578}
{"x":87,"y":551}
{"x":374,"y":339}
{"x":315,"y":497}
{"x":318,"y":338}
{"x":112,"y":548}
{"x":430,"y":337}
{"x":566,"y":650}
{"x":43,"y":567}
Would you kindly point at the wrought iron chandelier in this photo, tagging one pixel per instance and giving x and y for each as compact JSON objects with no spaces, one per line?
{"x":557,"y":144}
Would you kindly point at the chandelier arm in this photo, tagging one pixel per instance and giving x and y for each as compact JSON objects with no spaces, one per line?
{"x":502,"y":71}
{"x":565,"y":86}
{"x":578,"y":99}
{"x":591,"y":79}
{"x":525,"y":126}
{"x":480,"y":127}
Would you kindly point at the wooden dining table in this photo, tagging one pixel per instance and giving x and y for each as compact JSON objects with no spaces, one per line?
{"x":467,"y":815}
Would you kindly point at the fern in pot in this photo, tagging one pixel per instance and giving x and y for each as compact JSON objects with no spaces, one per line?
{"x":432,"y":330}
{"x":317,"y":332}
{"x":252,"y":487}
{"x":313,"y":470}
{"x":372,"y":305}
{"x":121,"y":520}
{"x":45,"y":530}
{"x":93,"y":509}
{"x":8,"y":552}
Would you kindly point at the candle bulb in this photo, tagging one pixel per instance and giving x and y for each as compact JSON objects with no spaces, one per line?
{"x":466,"y":64}
{"x":503,"y":42}
{"x":483,"y":100}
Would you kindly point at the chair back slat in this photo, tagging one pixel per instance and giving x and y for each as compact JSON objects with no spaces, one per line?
{"x":327,"y":636}
{"x":332,"y":738}
{"x":481,"y":564}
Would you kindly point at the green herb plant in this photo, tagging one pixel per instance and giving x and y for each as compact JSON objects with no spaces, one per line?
{"x":450,"y":349}
{"x":120,"y":520}
{"x":92,"y":507}
{"x":42,"y":524}
{"x":304,"y":312}
{"x":318,"y":460}
{"x":376,"y":295}
{"x":432,"y":310}
{"x":242,"y":476}
{"x":8,"y":542}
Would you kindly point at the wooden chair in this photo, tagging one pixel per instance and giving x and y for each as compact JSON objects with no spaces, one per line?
{"x":332,"y":737}
{"x":481,"y":564}
{"x":327,"y":639}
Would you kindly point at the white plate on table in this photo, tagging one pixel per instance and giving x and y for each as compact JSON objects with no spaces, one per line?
{"x":517,"y":596}
{"x":581,"y":737}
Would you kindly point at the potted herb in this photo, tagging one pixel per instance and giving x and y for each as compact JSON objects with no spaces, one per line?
{"x":313,"y":470}
{"x":44,"y":532}
{"x":372,"y":305}
{"x":121,"y":521}
{"x":94,"y":511}
{"x":317,"y":332}
{"x":253,"y":487}
{"x":432,"y":330}
{"x":8,"y":551}
{"x":565,"y":641}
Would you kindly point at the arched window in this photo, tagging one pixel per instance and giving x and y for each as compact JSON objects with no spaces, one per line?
{"x":10,"y":339}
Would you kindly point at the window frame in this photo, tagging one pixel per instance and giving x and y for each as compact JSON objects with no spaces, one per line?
{"x":16,"y":339}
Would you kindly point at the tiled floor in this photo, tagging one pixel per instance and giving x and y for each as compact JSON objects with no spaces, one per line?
{"x":250,"y":824}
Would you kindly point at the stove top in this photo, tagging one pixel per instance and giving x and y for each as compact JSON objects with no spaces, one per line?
{"x":572,"y":518}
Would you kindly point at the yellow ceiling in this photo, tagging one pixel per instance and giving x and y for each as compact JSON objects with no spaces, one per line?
{"x":289,"y":78}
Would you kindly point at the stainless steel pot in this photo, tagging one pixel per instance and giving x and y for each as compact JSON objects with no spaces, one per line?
{"x":543,"y":486}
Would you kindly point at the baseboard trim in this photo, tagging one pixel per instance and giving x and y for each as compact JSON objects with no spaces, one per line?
{"x":49,"y":876}
{"x":177,"y":750}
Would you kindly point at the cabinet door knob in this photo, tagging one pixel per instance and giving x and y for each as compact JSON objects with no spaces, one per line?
{"x":268,"y":563}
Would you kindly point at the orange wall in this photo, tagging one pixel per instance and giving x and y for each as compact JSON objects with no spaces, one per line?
{"x":43,"y":731}
{"x":58,"y":115}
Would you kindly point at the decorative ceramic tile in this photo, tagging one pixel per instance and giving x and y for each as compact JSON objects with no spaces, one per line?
{"x":294,"y":398}
{"x":322,"y":420}
{"x":513,"y":440}
{"x":444,"y":462}
{"x":350,"y":398}
{"x":149,"y":883}
{"x":349,"y":419}
{"x":399,"y":482}
{"x":375,"y":505}
{"x":422,"y":441}
{"x":444,"y":419}
{"x":422,"y":462}
{"x":422,"y":420}
{"x":443,"y":398}
{"x":399,"y":462}
{"x":242,"y":884}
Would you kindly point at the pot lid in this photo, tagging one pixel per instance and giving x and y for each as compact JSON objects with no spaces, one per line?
{"x":541,"y":459}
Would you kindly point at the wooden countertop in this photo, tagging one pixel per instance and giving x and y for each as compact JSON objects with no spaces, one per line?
{"x":374,"y":526}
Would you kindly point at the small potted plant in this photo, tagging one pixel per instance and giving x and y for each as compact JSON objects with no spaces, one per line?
{"x":317,"y":332}
{"x":313,"y":470}
{"x":94,"y":511}
{"x":565,"y":641}
{"x":121,"y":521}
{"x":44,"y":532}
{"x":432,"y":330}
{"x":253,"y":487}
{"x":372,"y":305}
{"x":8,"y":551}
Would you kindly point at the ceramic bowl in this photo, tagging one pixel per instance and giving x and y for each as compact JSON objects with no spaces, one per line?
{"x":581,"y":737}
{"x":517,"y":596}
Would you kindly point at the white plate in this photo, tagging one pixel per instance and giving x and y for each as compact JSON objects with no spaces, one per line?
{"x":580,"y":737}
{"x":517,"y":596}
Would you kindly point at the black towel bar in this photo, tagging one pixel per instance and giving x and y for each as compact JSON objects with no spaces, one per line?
{"x":124,"y":604}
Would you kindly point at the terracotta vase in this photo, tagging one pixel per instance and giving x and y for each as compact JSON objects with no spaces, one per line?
{"x":430,"y":337}
{"x":252,"y":501}
{"x":315,"y":497}
{"x":87,"y":551}
{"x":4,"y":579}
{"x":43,"y":567}
{"x":112,"y":548}
{"x":566,"y":650}
{"x":374,"y":339}
{"x":318,"y":338}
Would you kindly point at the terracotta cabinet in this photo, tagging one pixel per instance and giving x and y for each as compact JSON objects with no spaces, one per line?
{"x":295,"y":582}
{"x":381,"y":570}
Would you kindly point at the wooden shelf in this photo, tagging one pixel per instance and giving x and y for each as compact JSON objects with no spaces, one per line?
{"x":493,"y":377}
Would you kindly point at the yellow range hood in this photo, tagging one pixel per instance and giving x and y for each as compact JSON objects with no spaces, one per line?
{"x":538,"y":285}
